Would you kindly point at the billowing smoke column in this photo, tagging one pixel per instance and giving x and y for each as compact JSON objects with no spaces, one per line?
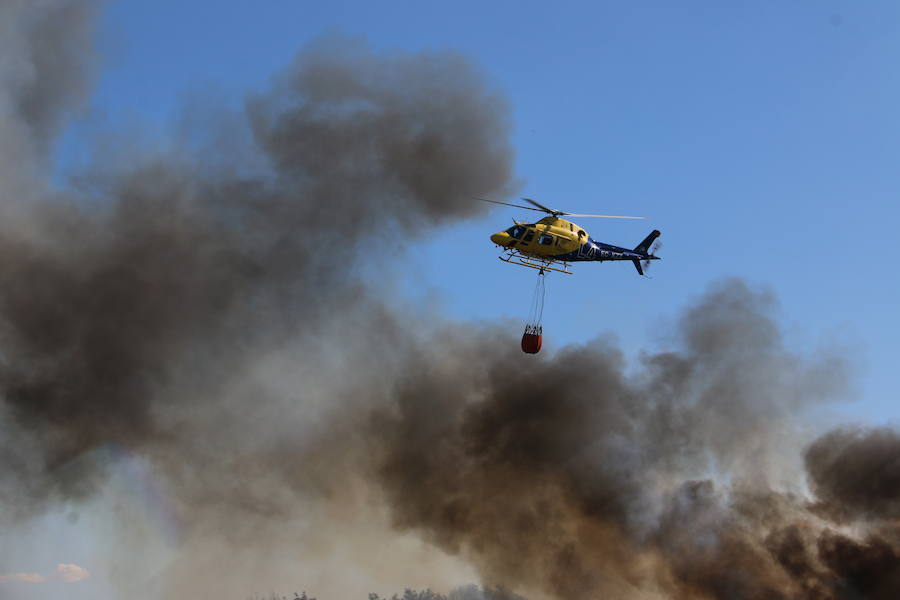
{"x":212,"y":312}
{"x":579,"y":477}
{"x":174,"y":269}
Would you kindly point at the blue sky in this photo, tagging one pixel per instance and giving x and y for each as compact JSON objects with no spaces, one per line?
{"x":762,"y":138}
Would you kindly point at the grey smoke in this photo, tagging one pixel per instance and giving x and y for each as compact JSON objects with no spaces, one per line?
{"x":45,"y":75}
{"x":175,"y":271}
{"x":571,"y":476}
{"x":855,"y":473}
{"x":47,"y":47}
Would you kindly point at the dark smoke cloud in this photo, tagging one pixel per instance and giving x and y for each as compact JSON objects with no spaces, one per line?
{"x":212,"y":312}
{"x":395,"y":138}
{"x":577,"y":477}
{"x":45,"y":73}
{"x":47,"y":46}
{"x":174,"y":272}
{"x":861,"y":569}
{"x":855,"y":473}
{"x":57,"y":66}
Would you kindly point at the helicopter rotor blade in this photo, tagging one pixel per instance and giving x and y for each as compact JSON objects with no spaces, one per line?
{"x":600,"y":216}
{"x":544,"y":208}
{"x":508,"y":204}
{"x":568,"y":214}
{"x":555,"y":213}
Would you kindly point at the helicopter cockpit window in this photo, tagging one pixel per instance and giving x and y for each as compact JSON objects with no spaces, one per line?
{"x":516,"y":231}
{"x":529,"y":236}
{"x":546,"y":239}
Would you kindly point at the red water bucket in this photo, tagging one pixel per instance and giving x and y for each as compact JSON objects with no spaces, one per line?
{"x":531,"y":343}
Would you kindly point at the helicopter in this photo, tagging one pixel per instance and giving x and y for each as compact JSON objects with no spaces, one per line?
{"x":552,"y":243}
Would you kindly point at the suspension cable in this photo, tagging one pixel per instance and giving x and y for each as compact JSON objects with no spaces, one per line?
{"x":536,"y":314}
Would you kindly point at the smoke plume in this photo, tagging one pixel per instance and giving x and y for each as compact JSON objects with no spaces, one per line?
{"x":177,"y":270}
{"x":578,"y":477}
{"x":45,"y":75}
{"x":209,"y":308}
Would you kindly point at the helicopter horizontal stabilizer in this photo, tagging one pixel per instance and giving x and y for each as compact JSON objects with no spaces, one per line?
{"x":637,"y":265}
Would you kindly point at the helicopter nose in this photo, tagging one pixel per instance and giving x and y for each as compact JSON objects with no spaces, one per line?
{"x":500,"y":238}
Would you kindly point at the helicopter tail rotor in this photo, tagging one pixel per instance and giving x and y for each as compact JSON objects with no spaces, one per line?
{"x":651,"y":257}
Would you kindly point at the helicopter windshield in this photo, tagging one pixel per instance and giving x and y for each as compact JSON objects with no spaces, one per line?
{"x":516,"y":231}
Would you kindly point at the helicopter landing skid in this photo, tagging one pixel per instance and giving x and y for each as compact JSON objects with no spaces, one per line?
{"x":516,"y":258}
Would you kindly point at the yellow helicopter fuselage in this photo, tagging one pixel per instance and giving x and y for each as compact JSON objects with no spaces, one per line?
{"x":551,"y":236}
